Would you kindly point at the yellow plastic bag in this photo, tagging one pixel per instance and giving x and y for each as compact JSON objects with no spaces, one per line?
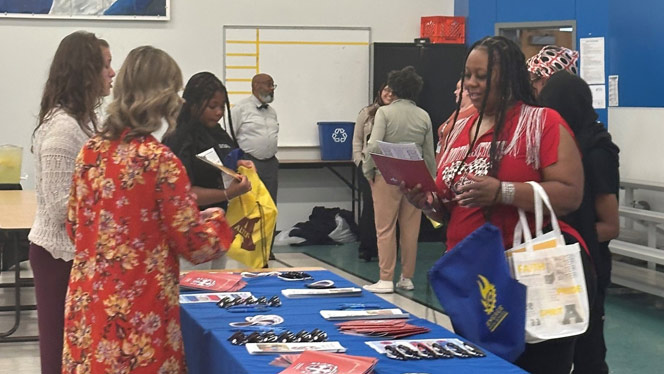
{"x":252,"y":217}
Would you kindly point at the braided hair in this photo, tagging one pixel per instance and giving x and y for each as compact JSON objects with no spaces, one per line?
{"x":200,"y":88}
{"x":513,"y":85}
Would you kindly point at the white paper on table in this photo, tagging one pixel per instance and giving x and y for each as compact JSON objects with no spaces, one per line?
{"x":598,"y":92}
{"x":613,"y":90}
{"x":307,"y":292}
{"x":592,"y":60}
{"x":404,"y":151}
{"x":331,"y":315}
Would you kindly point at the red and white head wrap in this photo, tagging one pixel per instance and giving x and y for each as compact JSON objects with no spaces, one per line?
{"x":552,"y":59}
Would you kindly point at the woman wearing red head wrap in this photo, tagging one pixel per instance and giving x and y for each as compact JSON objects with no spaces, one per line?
{"x":548,"y":61}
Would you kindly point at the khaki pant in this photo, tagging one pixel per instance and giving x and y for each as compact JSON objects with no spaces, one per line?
{"x":390,"y":206}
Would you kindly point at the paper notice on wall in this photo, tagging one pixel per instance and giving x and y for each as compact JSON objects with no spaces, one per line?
{"x":599,"y":95}
{"x":592,"y":60}
{"x":613,"y":90}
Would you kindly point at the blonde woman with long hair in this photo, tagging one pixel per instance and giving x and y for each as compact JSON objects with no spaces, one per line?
{"x":131,"y":213}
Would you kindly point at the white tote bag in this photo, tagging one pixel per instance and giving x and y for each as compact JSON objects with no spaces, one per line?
{"x":557,"y":298}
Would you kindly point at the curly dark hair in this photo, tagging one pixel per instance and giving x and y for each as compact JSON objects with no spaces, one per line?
{"x":74,"y":79}
{"x":513,"y":85}
{"x":199,"y":90}
{"x":405,"y":83}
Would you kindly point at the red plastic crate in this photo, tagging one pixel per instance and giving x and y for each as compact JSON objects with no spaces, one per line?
{"x":443,"y":29}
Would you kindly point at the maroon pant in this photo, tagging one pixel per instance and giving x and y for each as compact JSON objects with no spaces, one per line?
{"x":51,"y":281}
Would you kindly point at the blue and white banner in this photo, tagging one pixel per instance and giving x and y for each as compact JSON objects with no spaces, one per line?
{"x":90,"y":9}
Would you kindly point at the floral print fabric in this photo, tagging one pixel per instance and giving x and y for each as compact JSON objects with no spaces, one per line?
{"x":131,"y":213}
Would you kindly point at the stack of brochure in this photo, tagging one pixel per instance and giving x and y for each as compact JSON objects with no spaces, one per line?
{"x":403,"y":163}
{"x":389,"y":328}
{"x":324,"y":362}
{"x":292,"y":293}
{"x":340,"y":315}
{"x":211,"y":281}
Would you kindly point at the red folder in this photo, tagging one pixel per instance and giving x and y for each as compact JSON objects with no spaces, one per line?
{"x":325,"y":362}
{"x":411,"y":172}
{"x":218,"y":282}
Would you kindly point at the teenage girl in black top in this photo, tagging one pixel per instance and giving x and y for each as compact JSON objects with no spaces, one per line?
{"x":198,"y":130}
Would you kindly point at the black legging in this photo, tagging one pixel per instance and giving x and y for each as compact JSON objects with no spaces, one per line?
{"x":51,"y":280}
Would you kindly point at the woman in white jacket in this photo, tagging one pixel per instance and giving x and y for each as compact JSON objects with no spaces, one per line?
{"x":80,"y":75}
{"x":400,"y":122}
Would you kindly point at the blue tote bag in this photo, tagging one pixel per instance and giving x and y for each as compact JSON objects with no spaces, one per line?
{"x":474,"y":286}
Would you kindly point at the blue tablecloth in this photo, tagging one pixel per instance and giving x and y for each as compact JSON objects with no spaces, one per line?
{"x":205,"y":331}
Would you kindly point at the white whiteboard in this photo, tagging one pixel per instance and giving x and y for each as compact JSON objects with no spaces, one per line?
{"x":322,"y":74}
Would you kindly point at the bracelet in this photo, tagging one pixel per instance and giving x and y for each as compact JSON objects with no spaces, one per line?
{"x":431,"y":208}
{"x":497,"y":194}
{"x":507,"y":191}
{"x":226,"y":195}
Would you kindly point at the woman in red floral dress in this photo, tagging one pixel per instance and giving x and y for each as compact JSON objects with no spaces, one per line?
{"x":131,"y":213}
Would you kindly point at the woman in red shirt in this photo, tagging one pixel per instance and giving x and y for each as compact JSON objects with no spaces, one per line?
{"x":131,"y":213}
{"x":490,"y":155}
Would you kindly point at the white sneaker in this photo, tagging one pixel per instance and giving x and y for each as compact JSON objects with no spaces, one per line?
{"x":405,"y":284}
{"x":380,"y":287}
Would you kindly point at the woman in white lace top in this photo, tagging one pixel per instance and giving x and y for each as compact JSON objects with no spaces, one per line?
{"x":80,"y":75}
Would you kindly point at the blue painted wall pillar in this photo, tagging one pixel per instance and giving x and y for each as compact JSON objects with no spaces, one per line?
{"x":592,"y":19}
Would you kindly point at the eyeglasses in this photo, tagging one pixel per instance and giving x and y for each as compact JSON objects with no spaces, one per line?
{"x":274,"y":86}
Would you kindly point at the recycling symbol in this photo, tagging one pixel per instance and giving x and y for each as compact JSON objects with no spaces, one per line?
{"x":339,"y":135}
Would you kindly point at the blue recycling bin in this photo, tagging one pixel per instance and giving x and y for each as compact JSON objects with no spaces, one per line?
{"x":336,"y":140}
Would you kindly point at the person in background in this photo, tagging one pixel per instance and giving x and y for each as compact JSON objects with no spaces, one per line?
{"x":400,"y":122}
{"x":198,"y":130}
{"x":597,"y":218}
{"x":467,"y":109}
{"x":257,"y":130}
{"x":489,"y":157}
{"x":80,"y":75}
{"x":549,"y":60}
{"x":363,"y":126}
{"x":131,"y":213}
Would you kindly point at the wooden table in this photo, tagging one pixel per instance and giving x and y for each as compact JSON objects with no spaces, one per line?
{"x":17,"y":212}
{"x":331,"y":165}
